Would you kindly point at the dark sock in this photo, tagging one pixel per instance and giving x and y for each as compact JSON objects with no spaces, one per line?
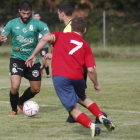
{"x":70,"y":115}
{"x":47,"y":70}
{"x":26,"y":96}
{"x":14,"y":101}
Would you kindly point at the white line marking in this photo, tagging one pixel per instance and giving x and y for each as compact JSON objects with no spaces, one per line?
{"x":123,"y":111}
{"x":133,"y":112}
{"x":25,"y":85}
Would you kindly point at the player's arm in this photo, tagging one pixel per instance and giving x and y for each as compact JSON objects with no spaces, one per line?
{"x":46,"y":39}
{"x":3,"y":38}
{"x":6,"y":31}
{"x":90,"y":64}
{"x":93,"y":76}
{"x":51,"y":48}
{"x":49,"y":55}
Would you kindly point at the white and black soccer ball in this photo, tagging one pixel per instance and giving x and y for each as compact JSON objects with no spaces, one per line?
{"x":30,"y":108}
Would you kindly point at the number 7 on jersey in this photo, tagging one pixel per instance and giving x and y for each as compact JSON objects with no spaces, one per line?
{"x":79,"y":45}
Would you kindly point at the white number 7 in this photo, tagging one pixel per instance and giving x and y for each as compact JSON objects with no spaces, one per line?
{"x":79,"y":45}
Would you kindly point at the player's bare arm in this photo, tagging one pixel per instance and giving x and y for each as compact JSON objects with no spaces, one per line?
{"x":93,"y":76}
{"x":49,"y":55}
{"x":46,"y":39}
{"x":3,"y":38}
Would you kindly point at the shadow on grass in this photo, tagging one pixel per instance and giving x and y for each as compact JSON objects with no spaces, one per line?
{"x":82,"y":130}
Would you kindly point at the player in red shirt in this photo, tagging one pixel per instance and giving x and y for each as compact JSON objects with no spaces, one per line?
{"x":65,"y":11}
{"x":70,"y":59}
{"x":70,"y":53}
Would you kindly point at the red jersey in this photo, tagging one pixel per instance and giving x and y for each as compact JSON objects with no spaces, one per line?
{"x":70,"y":53}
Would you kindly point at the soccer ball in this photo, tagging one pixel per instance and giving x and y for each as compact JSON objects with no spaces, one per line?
{"x":30,"y":108}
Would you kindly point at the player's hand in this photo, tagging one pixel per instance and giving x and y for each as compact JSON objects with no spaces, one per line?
{"x":3,"y":37}
{"x":48,"y":56}
{"x":97,"y":88}
{"x":30,"y":61}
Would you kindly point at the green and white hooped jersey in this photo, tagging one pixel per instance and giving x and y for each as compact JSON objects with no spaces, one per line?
{"x":24,"y":37}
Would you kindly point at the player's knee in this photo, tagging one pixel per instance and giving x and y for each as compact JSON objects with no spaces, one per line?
{"x":14,"y":89}
{"x":35,"y":90}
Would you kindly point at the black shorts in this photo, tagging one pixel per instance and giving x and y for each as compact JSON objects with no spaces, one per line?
{"x":18,"y":67}
{"x":44,"y":51}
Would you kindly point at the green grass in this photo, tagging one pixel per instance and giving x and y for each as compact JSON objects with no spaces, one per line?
{"x":98,"y":51}
{"x":119,"y":98}
{"x":116,"y":52}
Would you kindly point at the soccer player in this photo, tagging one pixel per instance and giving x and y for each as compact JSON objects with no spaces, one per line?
{"x":43,"y":51}
{"x":70,"y":53}
{"x":24,"y":34}
{"x":65,"y":11}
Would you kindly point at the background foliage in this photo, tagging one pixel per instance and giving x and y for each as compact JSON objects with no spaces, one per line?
{"x":122,"y":18}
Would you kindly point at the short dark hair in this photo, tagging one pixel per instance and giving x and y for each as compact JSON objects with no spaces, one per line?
{"x":36,"y":13}
{"x":25,"y":5}
{"x":66,"y":8}
{"x":78,"y":24}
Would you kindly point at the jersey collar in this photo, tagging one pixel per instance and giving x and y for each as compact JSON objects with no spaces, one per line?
{"x":69,"y":22}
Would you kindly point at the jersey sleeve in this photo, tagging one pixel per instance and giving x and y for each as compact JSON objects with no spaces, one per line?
{"x":54,"y":37}
{"x":89,"y":58}
{"x":7,"y":29}
{"x":43,"y":28}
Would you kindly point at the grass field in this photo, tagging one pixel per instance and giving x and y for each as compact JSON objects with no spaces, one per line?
{"x":119,"y":98}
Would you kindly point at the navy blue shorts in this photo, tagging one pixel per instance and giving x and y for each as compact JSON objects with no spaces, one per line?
{"x":69,"y":91}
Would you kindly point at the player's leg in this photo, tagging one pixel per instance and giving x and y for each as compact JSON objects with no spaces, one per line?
{"x":69,"y":98}
{"x":42,"y":66}
{"x":85,"y":75}
{"x":95,"y":110}
{"x":14,"y":94}
{"x":70,"y":119}
{"x":84,"y":120}
{"x":34,"y":76}
{"x":85,"y":78}
{"x":44,"y":61}
{"x":16,"y":72}
{"x":29,"y":93}
{"x":46,"y":66}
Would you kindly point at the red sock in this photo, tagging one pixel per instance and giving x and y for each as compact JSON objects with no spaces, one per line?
{"x":84,"y":120}
{"x":94,"y":109}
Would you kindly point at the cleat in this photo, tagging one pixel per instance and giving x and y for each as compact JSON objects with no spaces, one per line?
{"x":95,"y":130}
{"x":13,"y":113}
{"x":48,"y":76}
{"x":21,"y":109}
{"x":109,"y":125}
{"x":70,"y":119}
{"x":97,"y":121}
